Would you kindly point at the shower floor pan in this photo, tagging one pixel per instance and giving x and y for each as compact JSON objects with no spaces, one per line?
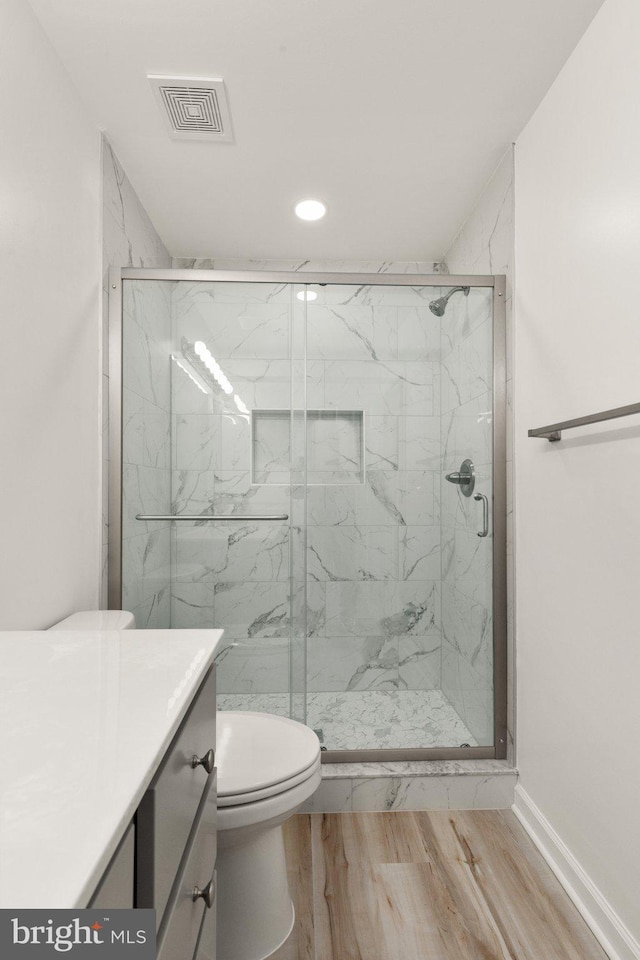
{"x":368,"y":719}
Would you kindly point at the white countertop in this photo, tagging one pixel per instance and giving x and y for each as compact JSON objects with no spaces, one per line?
{"x":85,"y":719}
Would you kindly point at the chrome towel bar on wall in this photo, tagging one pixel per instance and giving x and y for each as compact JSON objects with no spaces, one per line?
{"x":553,"y":431}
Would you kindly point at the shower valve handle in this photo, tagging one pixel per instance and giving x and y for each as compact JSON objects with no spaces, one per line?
{"x":458,"y":477}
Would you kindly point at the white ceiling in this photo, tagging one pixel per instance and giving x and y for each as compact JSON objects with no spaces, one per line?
{"x":394,"y":113}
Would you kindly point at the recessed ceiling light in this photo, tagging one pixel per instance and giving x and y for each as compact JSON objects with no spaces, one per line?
{"x":310,"y":209}
{"x":307,"y":295}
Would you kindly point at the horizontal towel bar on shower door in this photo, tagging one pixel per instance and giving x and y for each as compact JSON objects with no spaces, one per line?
{"x":553,"y":431}
{"x":197,"y":516}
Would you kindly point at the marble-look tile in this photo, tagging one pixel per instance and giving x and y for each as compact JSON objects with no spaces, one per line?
{"x":129,"y":237}
{"x":197,"y":441}
{"x":235,"y":442}
{"x":146,"y":490}
{"x":235,"y":494}
{"x":309,"y":600}
{"x":467,"y":626}
{"x":154,"y":613}
{"x":419,"y":662}
{"x":364,"y":719}
{"x":433,"y":793}
{"x":335,"y":445}
{"x":192,"y":605}
{"x":254,"y":552}
{"x":467,"y":432}
{"x":369,"y":503}
{"x":469,"y":692}
{"x":270,"y":446}
{"x":332,"y":796}
{"x":420,"y":443}
{"x":370,"y":719}
{"x":467,"y":370}
{"x":277,"y":703}
{"x":382,"y":440}
{"x":351,"y":663}
{"x":419,"y":552}
{"x":471,"y":569}
{"x":256,"y":666}
{"x":419,"y":332}
{"x":235,"y":329}
{"x":382,"y":608}
{"x":407,"y":496}
{"x":192,"y":491}
{"x":248,"y":610}
{"x":371,"y":386}
{"x":223,"y":292}
{"x":417,"y":768}
{"x":349,"y":553}
{"x":464,"y":315}
{"x":351,"y":332}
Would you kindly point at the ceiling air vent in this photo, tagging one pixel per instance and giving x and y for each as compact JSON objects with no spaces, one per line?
{"x":194,"y":108}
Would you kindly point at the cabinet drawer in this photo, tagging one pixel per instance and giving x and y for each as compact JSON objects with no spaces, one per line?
{"x":167,"y":811}
{"x":183,"y":919}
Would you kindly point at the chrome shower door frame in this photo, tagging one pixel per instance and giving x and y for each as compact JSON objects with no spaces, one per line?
{"x":499,"y":480}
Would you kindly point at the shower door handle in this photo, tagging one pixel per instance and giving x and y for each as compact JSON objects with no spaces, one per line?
{"x":485,"y":514}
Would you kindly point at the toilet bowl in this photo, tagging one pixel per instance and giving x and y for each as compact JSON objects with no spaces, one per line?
{"x":268,"y":766}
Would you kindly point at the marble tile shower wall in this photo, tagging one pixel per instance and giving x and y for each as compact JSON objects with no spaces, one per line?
{"x":373,"y":448}
{"x":234,"y":574}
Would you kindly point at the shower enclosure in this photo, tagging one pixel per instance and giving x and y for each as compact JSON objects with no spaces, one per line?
{"x":315,"y":463}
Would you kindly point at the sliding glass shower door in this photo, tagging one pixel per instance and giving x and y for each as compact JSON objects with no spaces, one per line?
{"x":293,"y":472}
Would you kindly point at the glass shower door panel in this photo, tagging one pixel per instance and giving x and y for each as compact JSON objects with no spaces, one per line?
{"x":374,"y":572}
{"x":467,"y":555}
{"x":146,"y":450}
{"x":232,"y":458}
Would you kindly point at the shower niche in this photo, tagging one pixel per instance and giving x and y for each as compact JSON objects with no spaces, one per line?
{"x":334,"y":447}
{"x":295,"y":495}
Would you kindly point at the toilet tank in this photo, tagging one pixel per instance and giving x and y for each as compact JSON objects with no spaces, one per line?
{"x":97,"y":620}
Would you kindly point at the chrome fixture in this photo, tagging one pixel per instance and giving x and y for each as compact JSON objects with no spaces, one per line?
{"x":208,"y":761}
{"x":197,"y":517}
{"x":553,"y":431}
{"x":440,"y":305}
{"x":465,"y":478}
{"x":485,"y":514}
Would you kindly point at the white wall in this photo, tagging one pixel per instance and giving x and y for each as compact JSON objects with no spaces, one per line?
{"x":50,"y":356}
{"x":577,"y":509}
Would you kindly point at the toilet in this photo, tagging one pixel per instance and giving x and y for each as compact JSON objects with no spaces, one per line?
{"x":268,"y":766}
{"x":97,"y":620}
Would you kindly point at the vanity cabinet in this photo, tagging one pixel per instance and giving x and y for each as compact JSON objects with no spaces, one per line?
{"x":170,"y":848}
{"x":116,"y":889}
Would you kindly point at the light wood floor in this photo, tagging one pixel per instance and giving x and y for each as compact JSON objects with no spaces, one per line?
{"x":443,"y":885}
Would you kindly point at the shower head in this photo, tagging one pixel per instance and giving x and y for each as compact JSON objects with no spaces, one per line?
{"x":440,"y":305}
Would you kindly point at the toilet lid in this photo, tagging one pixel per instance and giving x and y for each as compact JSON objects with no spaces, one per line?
{"x":259,"y":750}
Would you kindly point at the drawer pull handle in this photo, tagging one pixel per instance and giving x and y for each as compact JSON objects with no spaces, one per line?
{"x":208,"y":894}
{"x":207,"y":761}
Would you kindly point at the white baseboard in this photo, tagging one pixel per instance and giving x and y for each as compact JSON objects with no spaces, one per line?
{"x":616,"y":940}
